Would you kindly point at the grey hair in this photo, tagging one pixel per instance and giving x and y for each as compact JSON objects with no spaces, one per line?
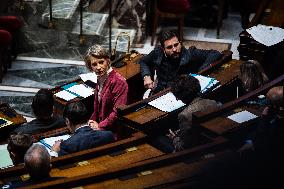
{"x":96,"y":51}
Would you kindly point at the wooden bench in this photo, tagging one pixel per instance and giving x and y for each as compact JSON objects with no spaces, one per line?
{"x":182,"y":165}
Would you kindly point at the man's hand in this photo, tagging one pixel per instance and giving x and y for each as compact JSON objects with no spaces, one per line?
{"x":93,"y":124}
{"x":148,"y":83}
{"x":56,"y":146}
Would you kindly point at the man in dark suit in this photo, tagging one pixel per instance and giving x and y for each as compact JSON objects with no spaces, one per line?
{"x":170,"y":59}
{"x":45,"y":120}
{"x":84,"y":137}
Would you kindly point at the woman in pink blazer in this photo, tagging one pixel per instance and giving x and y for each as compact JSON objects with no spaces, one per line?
{"x":111,"y":89}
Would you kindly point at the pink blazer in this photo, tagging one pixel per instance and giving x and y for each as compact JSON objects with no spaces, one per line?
{"x":114,"y":93}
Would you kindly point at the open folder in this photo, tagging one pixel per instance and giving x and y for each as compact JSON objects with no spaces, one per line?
{"x":206,"y":82}
{"x":74,"y":90}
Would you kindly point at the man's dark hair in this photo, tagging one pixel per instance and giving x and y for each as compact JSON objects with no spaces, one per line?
{"x":37,"y":162}
{"x":42,"y":104}
{"x":166,"y":35}
{"x":186,"y":88}
{"x":76,"y":112}
{"x":18,"y":144}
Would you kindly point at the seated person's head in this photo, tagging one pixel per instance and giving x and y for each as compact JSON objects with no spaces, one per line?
{"x":170,"y":43}
{"x":37,"y":162}
{"x":17,"y":146}
{"x":75,"y":114}
{"x":97,"y":60}
{"x":186,"y":88}
{"x":275,"y":99}
{"x":42,"y":104}
{"x":252,"y":75}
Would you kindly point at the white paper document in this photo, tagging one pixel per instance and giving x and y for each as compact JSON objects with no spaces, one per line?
{"x":5,"y":160}
{"x":242,"y":116}
{"x":49,"y":142}
{"x":81,"y":90}
{"x":65,"y":95}
{"x":205,"y":82}
{"x":266,"y":35}
{"x":89,"y":76}
{"x":167,"y":103}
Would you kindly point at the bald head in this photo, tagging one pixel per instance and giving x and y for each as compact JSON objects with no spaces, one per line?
{"x":37,"y":162}
{"x":275,"y":96}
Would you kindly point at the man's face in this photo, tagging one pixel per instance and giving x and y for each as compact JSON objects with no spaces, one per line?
{"x":172,"y":47}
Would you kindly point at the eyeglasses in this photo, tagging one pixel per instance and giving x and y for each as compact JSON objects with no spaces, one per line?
{"x":171,"y":46}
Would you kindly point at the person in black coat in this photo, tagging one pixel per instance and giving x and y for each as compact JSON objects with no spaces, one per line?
{"x":170,"y":59}
{"x":42,"y":106}
{"x":84,"y":137}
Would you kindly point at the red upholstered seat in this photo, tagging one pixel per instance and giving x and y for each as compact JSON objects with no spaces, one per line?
{"x":10,"y":23}
{"x":5,"y":43}
{"x":5,"y":38}
{"x":174,"y":6}
{"x":176,"y":9}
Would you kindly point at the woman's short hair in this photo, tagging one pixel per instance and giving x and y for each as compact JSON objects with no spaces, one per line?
{"x":96,"y":51}
{"x":186,"y":88}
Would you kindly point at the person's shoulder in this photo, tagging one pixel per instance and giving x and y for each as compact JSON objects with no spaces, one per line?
{"x":117,"y":77}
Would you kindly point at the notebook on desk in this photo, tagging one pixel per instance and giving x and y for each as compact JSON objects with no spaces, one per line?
{"x":206,"y":82}
{"x":167,"y":103}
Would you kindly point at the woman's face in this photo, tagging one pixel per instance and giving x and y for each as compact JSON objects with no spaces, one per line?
{"x":99,"y":65}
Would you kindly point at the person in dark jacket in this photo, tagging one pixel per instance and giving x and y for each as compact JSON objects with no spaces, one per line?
{"x":84,"y":137}
{"x":42,"y":107}
{"x":170,"y":59}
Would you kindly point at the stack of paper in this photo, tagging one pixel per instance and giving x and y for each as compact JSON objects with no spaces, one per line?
{"x":167,"y":103}
{"x":74,"y":90}
{"x":49,"y":142}
{"x":266,"y":35}
{"x":89,"y":76}
{"x":242,"y":116}
{"x":205,"y":82}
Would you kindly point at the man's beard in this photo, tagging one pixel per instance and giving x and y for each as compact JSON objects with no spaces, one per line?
{"x":174,"y":56}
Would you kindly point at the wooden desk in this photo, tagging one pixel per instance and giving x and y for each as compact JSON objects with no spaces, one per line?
{"x":227,"y":71}
{"x":144,"y":117}
{"x":270,"y":13}
{"x":216,"y":121}
{"x":227,"y":74}
{"x":8,"y":113}
{"x":168,"y":161}
{"x":107,"y":162}
{"x":135,"y":139}
{"x":221,"y":125}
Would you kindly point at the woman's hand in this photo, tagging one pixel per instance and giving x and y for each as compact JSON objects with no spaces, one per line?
{"x":93,"y":124}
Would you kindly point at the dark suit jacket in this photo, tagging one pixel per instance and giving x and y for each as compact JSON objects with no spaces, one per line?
{"x":38,"y":125}
{"x":191,"y":60}
{"x":85,"y":138}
